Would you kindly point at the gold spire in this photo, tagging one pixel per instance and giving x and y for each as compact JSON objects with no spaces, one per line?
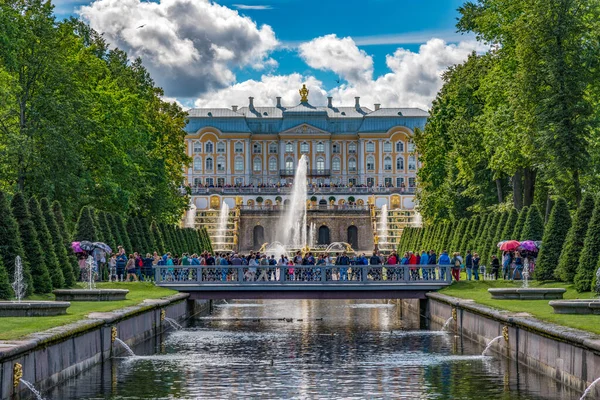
{"x":303,"y":94}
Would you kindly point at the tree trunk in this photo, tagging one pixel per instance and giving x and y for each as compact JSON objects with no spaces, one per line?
{"x":499,"y":191}
{"x":517,"y":189}
{"x":529,"y":175}
{"x":548,"y":207}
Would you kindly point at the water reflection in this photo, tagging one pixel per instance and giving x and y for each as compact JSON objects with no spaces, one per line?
{"x":310,"y":349}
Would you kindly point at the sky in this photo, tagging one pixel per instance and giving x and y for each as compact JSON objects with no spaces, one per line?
{"x":218,"y":53}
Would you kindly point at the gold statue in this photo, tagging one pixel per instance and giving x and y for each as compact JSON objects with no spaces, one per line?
{"x":376,"y":239}
{"x":303,"y":94}
{"x":305,"y":250}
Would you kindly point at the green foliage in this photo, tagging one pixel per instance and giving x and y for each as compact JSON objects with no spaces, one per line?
{"x":488,"y":244}
{"x":158,"y":244}
{"x":518,"y":228}
{"x":493,"y":249}
{"x":33,"y":253}
{"x":66,"y":236}
{"x":134,"y":235}
{"x":588,"y":258}
{"x":6,"y":292}
{"x":125,"y":237}
{"x":43,"y":234}
{"x":86,"y":226}
{"x":553,"y":241}
{"x":534,"y":225}
{"x":569,"y":257}
{"x":58,"y":244}
{"x":509,"y":226}
{"x":114,"y":231}
{"x":104,"y":227}
{"x":10,"y":243}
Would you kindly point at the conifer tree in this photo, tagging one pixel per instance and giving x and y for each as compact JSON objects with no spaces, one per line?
{"x":104,"y":227}
{"x":58,"y":243}
{"x":166,"y":237}
{"x":509,"y":226}
{"x":146,"y":234}
{"x":518,"y":229}
{"x":158,"y":245}
{"x":477,"y":239}
{"x":142,"y":235}
{"x":446,"y":234}
{"x":534,"y":225}
{"x":466,"y":239}
{"x":99,"y":231}
{"x":33,"y":252}
{"x":460,"y":231}
{"x":489,"y":244}
{"x":498,"y":235}
{"x":10,"y":243}
{"x":481,"y":240}
{"x":114,"y":231}
{"x":66,"y":236}
{"x":134,"y":235}
{"x":6,"y":292}
{"x":588,"y":259}
{"x":86,"y":229}
{"x":552,"y":243}
{"x":569,"y":257}
{"x":125,"y":236}
{"x":43,"y":234}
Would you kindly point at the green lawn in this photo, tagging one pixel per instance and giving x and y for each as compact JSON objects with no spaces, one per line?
{"x":12,"y":328}
{"x":537,"y":308}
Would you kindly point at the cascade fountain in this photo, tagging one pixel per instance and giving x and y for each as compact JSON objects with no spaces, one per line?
{"x":124,"y":345}
{"x":589,"y":389}
{"x":446,"y":324}
{"x":220,"y":237}
{"x":293,"y":223}
{"x":275,"y":249}
{"x":491,"y":343}
{"x":383,"y":224}
{"x":312,"y":235}
{"x":173,"y":324}
{"x":190,"y":216}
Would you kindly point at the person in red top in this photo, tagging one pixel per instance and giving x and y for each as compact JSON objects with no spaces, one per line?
{"x":412,"y":261}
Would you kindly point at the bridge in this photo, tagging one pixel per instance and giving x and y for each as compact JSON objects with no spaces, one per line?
{"x":305,"y":281}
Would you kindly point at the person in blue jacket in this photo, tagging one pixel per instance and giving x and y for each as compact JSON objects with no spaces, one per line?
{"x":443,"y":261}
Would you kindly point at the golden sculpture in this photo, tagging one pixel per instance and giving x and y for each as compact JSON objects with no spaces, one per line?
{"x":113,"y":334}
{"x":376,"y":239}
{"x":263,"y":248}
{"x":454,"y":315}
{"x":505,"y":333}
{"x":305,"y":250}
{"x":163,"y":314}
{"x":303,"y":94}
{"x":235,"y":239}
{"x":17,"y":374}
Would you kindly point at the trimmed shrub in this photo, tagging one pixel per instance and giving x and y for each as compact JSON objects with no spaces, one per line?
{"x":104,"y":226}
{"x":33,"y":252}
{"x":569,"y":257}
{"x":125,"y":235}
{"x":588,"y":259}
{"x":516,"y":233}
{"x":6,"y":292}
{"x":54,"y":268}
{"x":66,"y":236}
{"x":58,"y":244}
{"x":489,"y":238}
{"x":86,"y":226}
{"x":114,"y":231}
{"x":534,"y":225}
{"x":134,"y":235}
{"x":553,"y":241}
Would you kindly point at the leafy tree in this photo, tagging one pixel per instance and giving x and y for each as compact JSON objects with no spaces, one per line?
{"x":588,"y":258}
{"x":6,"y":291}
{"x":86,"y":229}
{"x":534,"y":225}
{"x":33,"y":253}
{"x":518,"y":229}
{"x":553,"y":241}
{"x":569,"y":257}
{"x":58,"y":244}
{"x":498,"y":235}
{"x":10,"y":243}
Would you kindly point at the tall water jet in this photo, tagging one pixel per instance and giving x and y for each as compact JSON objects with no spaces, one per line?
{"x":418,"y":220}
{"x":19,"y":286}
{"x":124,"y":345}
{"x":293,"y":227}
{"x":190,"y":216}
{"x":383,"y":224}
{"x":312,"y":235}
{"x":222,"y":228}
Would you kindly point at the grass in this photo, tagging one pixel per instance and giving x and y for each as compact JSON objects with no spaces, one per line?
{"x":12,"y":328}
{"x":477,"y":291}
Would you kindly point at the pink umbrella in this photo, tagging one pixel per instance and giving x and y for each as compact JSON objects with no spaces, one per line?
{"x":529,"y":245}
{"x":76,"y":248}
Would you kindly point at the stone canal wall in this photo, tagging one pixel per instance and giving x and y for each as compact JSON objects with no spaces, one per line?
{"x":55,"y":355}
{"x":569,"y":355}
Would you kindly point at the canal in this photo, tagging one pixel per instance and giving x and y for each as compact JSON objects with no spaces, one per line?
{"x":312,"y":349}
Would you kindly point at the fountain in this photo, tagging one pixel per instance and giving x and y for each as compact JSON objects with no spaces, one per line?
{"x":173,"y":324}
{"x":220,"y":239}
{"x":312,"y":235}
{"x":446,"y":324}
{"x":90,"y":293}
{"x":589,"y":389}
{"x":124,"y":345}
{"x":20,"y":308}
{"x":190,"y":216}
{"x":293,"y":223}
{"x":383,"y":224}
{"x":275,"y":249}
{"x":491,"y":343}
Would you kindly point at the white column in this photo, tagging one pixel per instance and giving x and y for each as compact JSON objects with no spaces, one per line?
{"x":228,"y":170}
{"x":281,"y":154}
{"x":327,"y":154}
{"x":248,"y":159}
{"x":361,"y":160}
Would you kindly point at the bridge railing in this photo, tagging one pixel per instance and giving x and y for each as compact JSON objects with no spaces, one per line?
{"x":302,"y":274}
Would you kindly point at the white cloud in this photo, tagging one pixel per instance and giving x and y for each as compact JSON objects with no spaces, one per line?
{"x":340,"y":55}
{"x":189,"y":46}
{"x":413,"y":81}
{"x":248,"y":7}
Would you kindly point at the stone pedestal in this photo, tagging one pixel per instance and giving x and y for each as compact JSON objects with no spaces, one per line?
{"x":576,"y":306}
{"x":90,"y":294}
{"x":527,"y":293}
{"x":33,"y":308}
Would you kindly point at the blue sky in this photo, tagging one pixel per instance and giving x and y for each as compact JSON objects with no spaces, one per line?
{"x":377,"y":28}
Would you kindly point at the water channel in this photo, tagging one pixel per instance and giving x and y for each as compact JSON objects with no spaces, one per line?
{"x":311,"y":349}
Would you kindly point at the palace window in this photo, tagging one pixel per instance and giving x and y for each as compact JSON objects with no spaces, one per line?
{"x":272,"y":164}
{"x":335,"y":164}
{"x":197,"y":164}
{"x":412,"y":163}
{"x":239,"y":163}
{"x":411,"y":147}
{"x":197,"y":181}
{"x":272,"y":148}
{"x":220,"y":182}
{"x":209,"y":147}
{"x":320,"y":147}
{"x":210,"y":182}
{"x":336,"y":148}
{"x":320,"y":165}
{"x":412,"y":182}
{"x":370,"y":182}
{"x":209,"y":164}
{"x":387,"y":147}
{"x":239,"y":181}
{"x":399,"y":147}
{"x":370,"y":147}
{"x":221,"y":164}
{"x":387,"y":164}
{"x":399,"y":182}
{"x":352,"y":181}
{"x":352,"y":165}
{"x":289,"y":147}
{"x":239,"y":147}
{"x":352,"y":148}
{"x":289,"y":164}
{"x":400,"y":163}
{"x":304,"y":147}
{"x":256,"y":164}
{"x":197,"y":147}
{"x":387,"y":182}
{"x":370,"y":163}
{"x":257,"y":148}
{"x":221,"y":147}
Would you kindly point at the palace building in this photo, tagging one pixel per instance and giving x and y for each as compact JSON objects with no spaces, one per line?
{"x":246,"y":157}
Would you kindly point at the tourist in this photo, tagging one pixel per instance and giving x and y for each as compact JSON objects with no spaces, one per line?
{"x":251,"y":272}
{"x":374,"y":261}
{"x":431,"y":261}
{"x":506,"y":261}
{"x":392,"y":260}
{"x":112,"y":269}
{"x":495,"y":267}
{"x":424,"y":262}
{"x":298,"y":258}
{"x":475,"y":261}
{"x":147,"y":267}
{"x":444,"y":262}
{"x":130,"y":268}
{"x":343,"y":261}
{"x":121,"y":263}
{"x":456,"y":264}
{"x":412,"y":262}
{"x":518,"y":266}
{"x":264,"y":263}
{"x":224,"y":270}
{"x":469,"y":265}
